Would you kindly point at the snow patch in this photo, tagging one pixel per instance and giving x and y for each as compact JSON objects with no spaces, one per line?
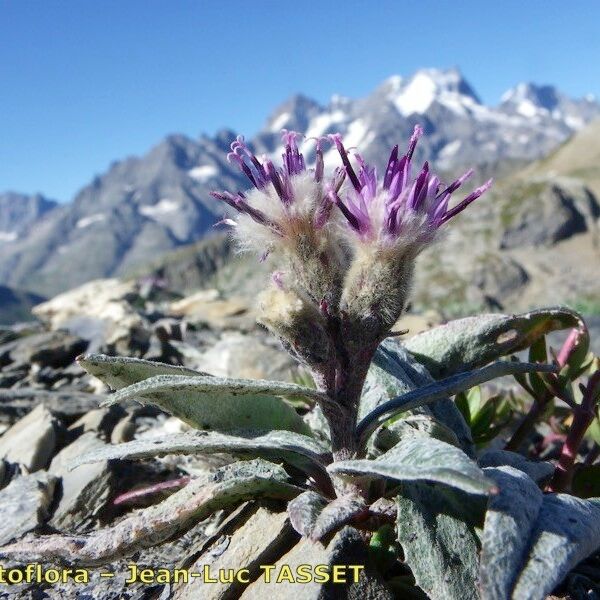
{"x":320,"y":125}
{"x":87,"y":221}
{"x":357,"y":130}
{"x":162,"y":207}
{"x":280,"y":122}
{"x":450,"y":149}
{"x":8,"y":236}
{"x":417,"y":96}
{"x":527,"y":108}
{"x":203,"y":172}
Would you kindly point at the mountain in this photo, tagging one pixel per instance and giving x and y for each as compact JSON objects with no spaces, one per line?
{"x":144,"y":207}
{"x":19,"y":212}
{"x":16,"y":305}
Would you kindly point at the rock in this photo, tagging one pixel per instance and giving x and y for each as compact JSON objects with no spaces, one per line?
{"x":261,"y":540}
{"x":124,"y":431}
{"x":545,"y":212}
{"x":104,"y":309}
{"x":417,"y":322}
{"x":31,"y":441}
{"x":85,"y":489}
{"x":497,"y":277}
{"x":101,"y":421}
{"x":52,"y":348}
{"x":66,"y":405}
{"x":205,"y":307}
{"x":24,"y":504}
{"x":346,"y":548}
{"x":238,"y":355}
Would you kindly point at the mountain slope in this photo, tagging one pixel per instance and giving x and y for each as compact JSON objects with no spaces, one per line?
{"x":144,"y":207}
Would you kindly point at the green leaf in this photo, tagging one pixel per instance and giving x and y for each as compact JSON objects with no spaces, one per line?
{"x":120,"y":371}
{"x":418,"y":459}
{"x":440,"y":389}
{"x":295,"y":449}
{"x":225,"y":487}
{"x":221,"y":404}
{"x":532,"y":540}
{"x":439,"y":547}
{"x":468,"y":343}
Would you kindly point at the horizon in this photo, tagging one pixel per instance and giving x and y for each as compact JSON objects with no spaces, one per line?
{"x":78,"y":104}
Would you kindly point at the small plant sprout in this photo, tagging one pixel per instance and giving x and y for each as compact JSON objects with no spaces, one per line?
{"x":377,"y":443}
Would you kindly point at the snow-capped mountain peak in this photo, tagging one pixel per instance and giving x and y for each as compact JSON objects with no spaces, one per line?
{"x":417,"y":94}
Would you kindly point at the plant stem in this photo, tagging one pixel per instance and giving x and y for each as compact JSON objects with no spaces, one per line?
{"x":539,"y":404}
{"x":582,"y":418}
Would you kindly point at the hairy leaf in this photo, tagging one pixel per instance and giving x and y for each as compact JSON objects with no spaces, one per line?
{"x":440,"y":389}
{"x":421,"y":458}
{"x":532,"y":540}
{"x":539,"y":471}
{"x":295,"y":449}
{"x":221,"y":404}
{"x":314,"y":516}
{"x":395,"y":372}
{"x":440,"y":548}
{"x":120,"y":371}
{"x":508,"y":522}
{"x":567,"y":531}
{"x":472,"y":342}
{"x":151,"y":526}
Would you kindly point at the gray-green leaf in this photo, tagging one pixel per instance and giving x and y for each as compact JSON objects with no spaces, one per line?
{"x":221,"y":404}
{"x":313,"y":516}
{"x":440,"y":389}
{"x":421,"y":458}
{"x":295,"y":449}
{"x":532,"y":540}
{"x":439,"y":547}
{"x":468,"y":343}
{"x":120,"y":371}
{"x":227,"y":486}
{"x":508,"y":522}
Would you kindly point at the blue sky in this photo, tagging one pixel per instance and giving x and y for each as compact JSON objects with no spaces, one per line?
{"x":86,"y":82}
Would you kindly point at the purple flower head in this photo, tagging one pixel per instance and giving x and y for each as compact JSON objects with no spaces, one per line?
{"x":401,"y":206}
{"x":264,"y":176}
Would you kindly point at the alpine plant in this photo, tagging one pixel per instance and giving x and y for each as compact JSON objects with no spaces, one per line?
{"x":376,"y":443}
{"x":345,"y":247}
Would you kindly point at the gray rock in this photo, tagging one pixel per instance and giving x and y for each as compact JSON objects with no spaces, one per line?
{"x":545,"y":212}
{"x":261,"y":540}
{"x":85,"y":490}
{"x":31,"y":441}
{"x":101,"y":421}
{"x":24,"y":504}
{"x":51,"y":348}
{"x":346,"y":548}
{"x":14,"y":404}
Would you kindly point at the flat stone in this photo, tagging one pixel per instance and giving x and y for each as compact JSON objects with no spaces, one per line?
{"x":51,"y":348}
{"x":346,"y":548}
{"x":101,"y":421}
{"x":238,"y":355}
{"x":111,"y":321}
{"x":31,"y":441}
{"x":85,"y":489}
{"x":262,"y":539}
{"x":24,"y":504}
{"x":68,"y":405}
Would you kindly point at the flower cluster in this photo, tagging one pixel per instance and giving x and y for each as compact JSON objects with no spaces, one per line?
{"x":348,"y":241}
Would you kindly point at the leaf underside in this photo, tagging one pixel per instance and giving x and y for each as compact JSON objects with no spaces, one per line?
{"x":221,"y":404}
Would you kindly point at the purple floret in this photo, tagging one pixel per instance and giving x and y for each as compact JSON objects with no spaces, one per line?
{"x":404,"y":197}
